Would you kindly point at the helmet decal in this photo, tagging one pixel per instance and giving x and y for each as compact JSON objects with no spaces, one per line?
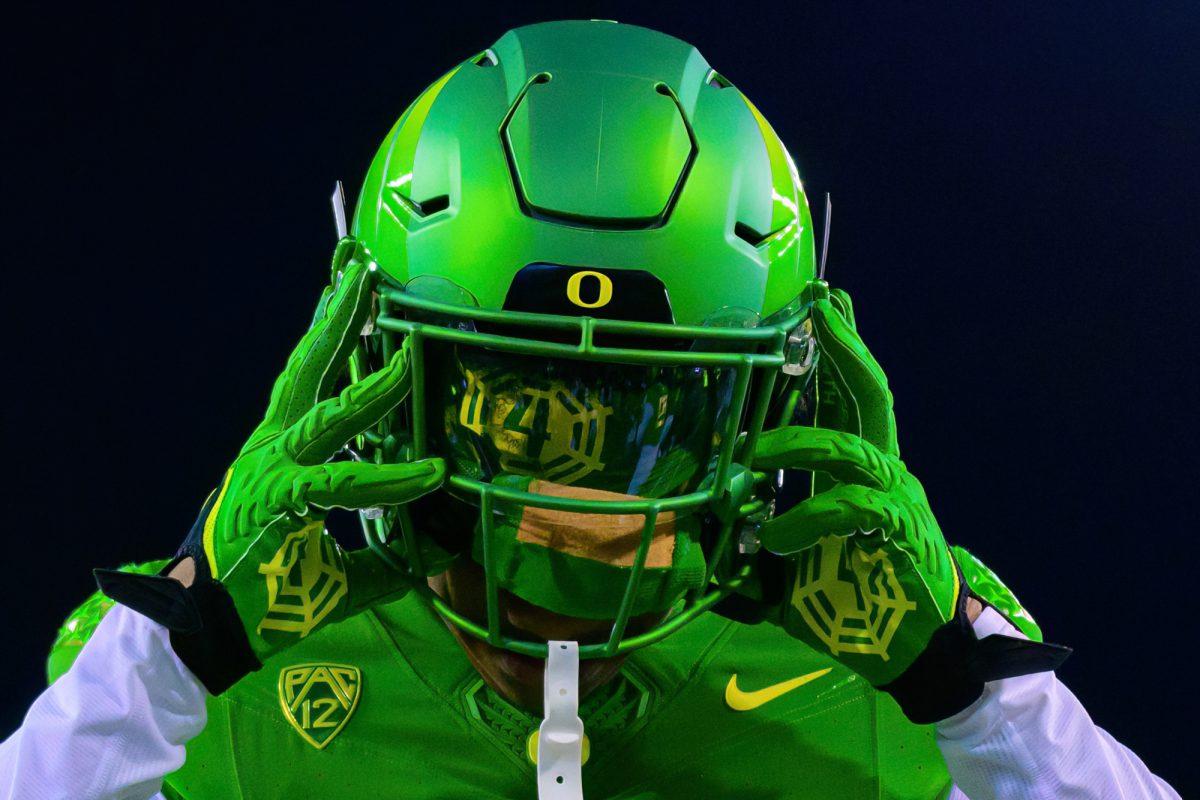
{"x":629,"y":294}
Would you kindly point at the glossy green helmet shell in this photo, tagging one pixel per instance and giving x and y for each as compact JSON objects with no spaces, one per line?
{"x":597,"y":144}
{"x":586,"y":193}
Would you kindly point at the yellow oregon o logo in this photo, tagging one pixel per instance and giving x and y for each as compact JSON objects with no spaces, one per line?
{"x":603,"y":291}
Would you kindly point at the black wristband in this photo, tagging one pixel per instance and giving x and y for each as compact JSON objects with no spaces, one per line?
{"x":950,"y":673}
{"x":206,"y":632}
{"x":938,"y":685}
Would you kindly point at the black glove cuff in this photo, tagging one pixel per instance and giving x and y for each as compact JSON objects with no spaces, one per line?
{"x":950,"y":673}
{"x":206,"y":632}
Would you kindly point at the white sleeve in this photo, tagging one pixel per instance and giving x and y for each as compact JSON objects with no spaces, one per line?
{"x":113,"y":725}
{"x":1029,"y":737}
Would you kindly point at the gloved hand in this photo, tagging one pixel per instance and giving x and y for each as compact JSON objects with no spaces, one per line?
{"x":873,"y":581}
{"x":266,"y":572}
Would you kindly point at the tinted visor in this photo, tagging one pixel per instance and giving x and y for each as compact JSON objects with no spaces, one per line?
{"x":634,"y":430}
{"x":594,"y":433}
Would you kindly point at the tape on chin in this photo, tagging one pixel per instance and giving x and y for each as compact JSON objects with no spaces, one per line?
{"x":579,"y":564}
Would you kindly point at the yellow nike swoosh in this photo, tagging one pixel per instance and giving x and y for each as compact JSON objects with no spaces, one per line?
{"x":738,"y":700}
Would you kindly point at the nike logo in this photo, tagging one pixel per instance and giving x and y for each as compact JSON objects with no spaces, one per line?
{"x":738,"y":700}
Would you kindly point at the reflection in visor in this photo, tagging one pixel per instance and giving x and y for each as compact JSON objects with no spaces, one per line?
{"x":635,"y":430}
{"x":587,"y":431}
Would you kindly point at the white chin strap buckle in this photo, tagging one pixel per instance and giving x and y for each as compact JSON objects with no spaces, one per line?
{"x":560,"y":738}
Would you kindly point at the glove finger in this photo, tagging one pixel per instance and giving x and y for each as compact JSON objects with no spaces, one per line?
{"x":843,"y":456}
{"x":314,"y":364}
{"x":358,"y":484}
{"x":323,"y":429}
{"x":841,"y":511}
{"x":844,"y":305}
{"x":860,"y":380}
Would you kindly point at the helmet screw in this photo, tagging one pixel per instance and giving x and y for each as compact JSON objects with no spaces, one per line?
{"x":748,"y":542}
{"x":800,"y":350}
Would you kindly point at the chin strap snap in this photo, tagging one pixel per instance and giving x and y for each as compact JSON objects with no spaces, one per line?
{"x":560,"y":737}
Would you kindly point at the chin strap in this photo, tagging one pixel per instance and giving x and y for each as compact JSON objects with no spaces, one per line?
{"x":560,"y":737}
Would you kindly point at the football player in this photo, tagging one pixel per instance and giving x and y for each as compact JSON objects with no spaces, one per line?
{"x":636,"y":520}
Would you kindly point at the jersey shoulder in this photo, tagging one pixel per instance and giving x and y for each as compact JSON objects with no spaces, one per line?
{"x":730,"y":694}
{"x":988,"y":586}
{"x":306,"y":722}
{"x":81,"y":623}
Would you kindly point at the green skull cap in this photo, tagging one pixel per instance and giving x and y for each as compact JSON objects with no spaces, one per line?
{"x":590,"y":144}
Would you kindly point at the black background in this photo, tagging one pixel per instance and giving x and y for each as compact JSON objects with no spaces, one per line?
{"x":1015,"y":215}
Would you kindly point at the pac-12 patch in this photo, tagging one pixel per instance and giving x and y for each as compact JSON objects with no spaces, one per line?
{"x":318,"y":699}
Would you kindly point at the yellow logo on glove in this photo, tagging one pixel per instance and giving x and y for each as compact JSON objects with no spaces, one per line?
{"x":305,"y":582}
{"x":851,"y":600}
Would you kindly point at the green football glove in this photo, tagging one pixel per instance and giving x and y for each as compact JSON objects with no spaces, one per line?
{"x":873,"y":581}
{"x":267,"y":573}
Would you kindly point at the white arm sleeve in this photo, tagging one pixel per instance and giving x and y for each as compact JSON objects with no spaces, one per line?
{"x":1029,"y":737}
{"x":113,"y":725}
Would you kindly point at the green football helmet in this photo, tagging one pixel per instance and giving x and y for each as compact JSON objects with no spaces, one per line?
{"x":596,"y":248}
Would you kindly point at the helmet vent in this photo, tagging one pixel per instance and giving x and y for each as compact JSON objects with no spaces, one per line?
{"x":423,"y":208}
{"x":717,"y":80}
{"x":434,"y":204}
{"x":748,"y":234}
{"x":756,"y":239}
{"x":485,"y":59}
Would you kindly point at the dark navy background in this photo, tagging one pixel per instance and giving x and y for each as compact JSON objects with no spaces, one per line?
{"x":1015,"y":216}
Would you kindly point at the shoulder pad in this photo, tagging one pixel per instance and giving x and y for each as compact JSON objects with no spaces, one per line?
{"x":984,"y":583}
{"x":78,"y":627}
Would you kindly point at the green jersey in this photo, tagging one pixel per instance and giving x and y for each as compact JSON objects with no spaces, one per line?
{"x":386,"y":704}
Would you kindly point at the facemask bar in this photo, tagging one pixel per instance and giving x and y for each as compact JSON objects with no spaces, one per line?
{"x":730,"y":496}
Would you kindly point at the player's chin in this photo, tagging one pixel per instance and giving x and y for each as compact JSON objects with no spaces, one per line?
{"x":520,"y":677}
{"x":523,"y":675}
